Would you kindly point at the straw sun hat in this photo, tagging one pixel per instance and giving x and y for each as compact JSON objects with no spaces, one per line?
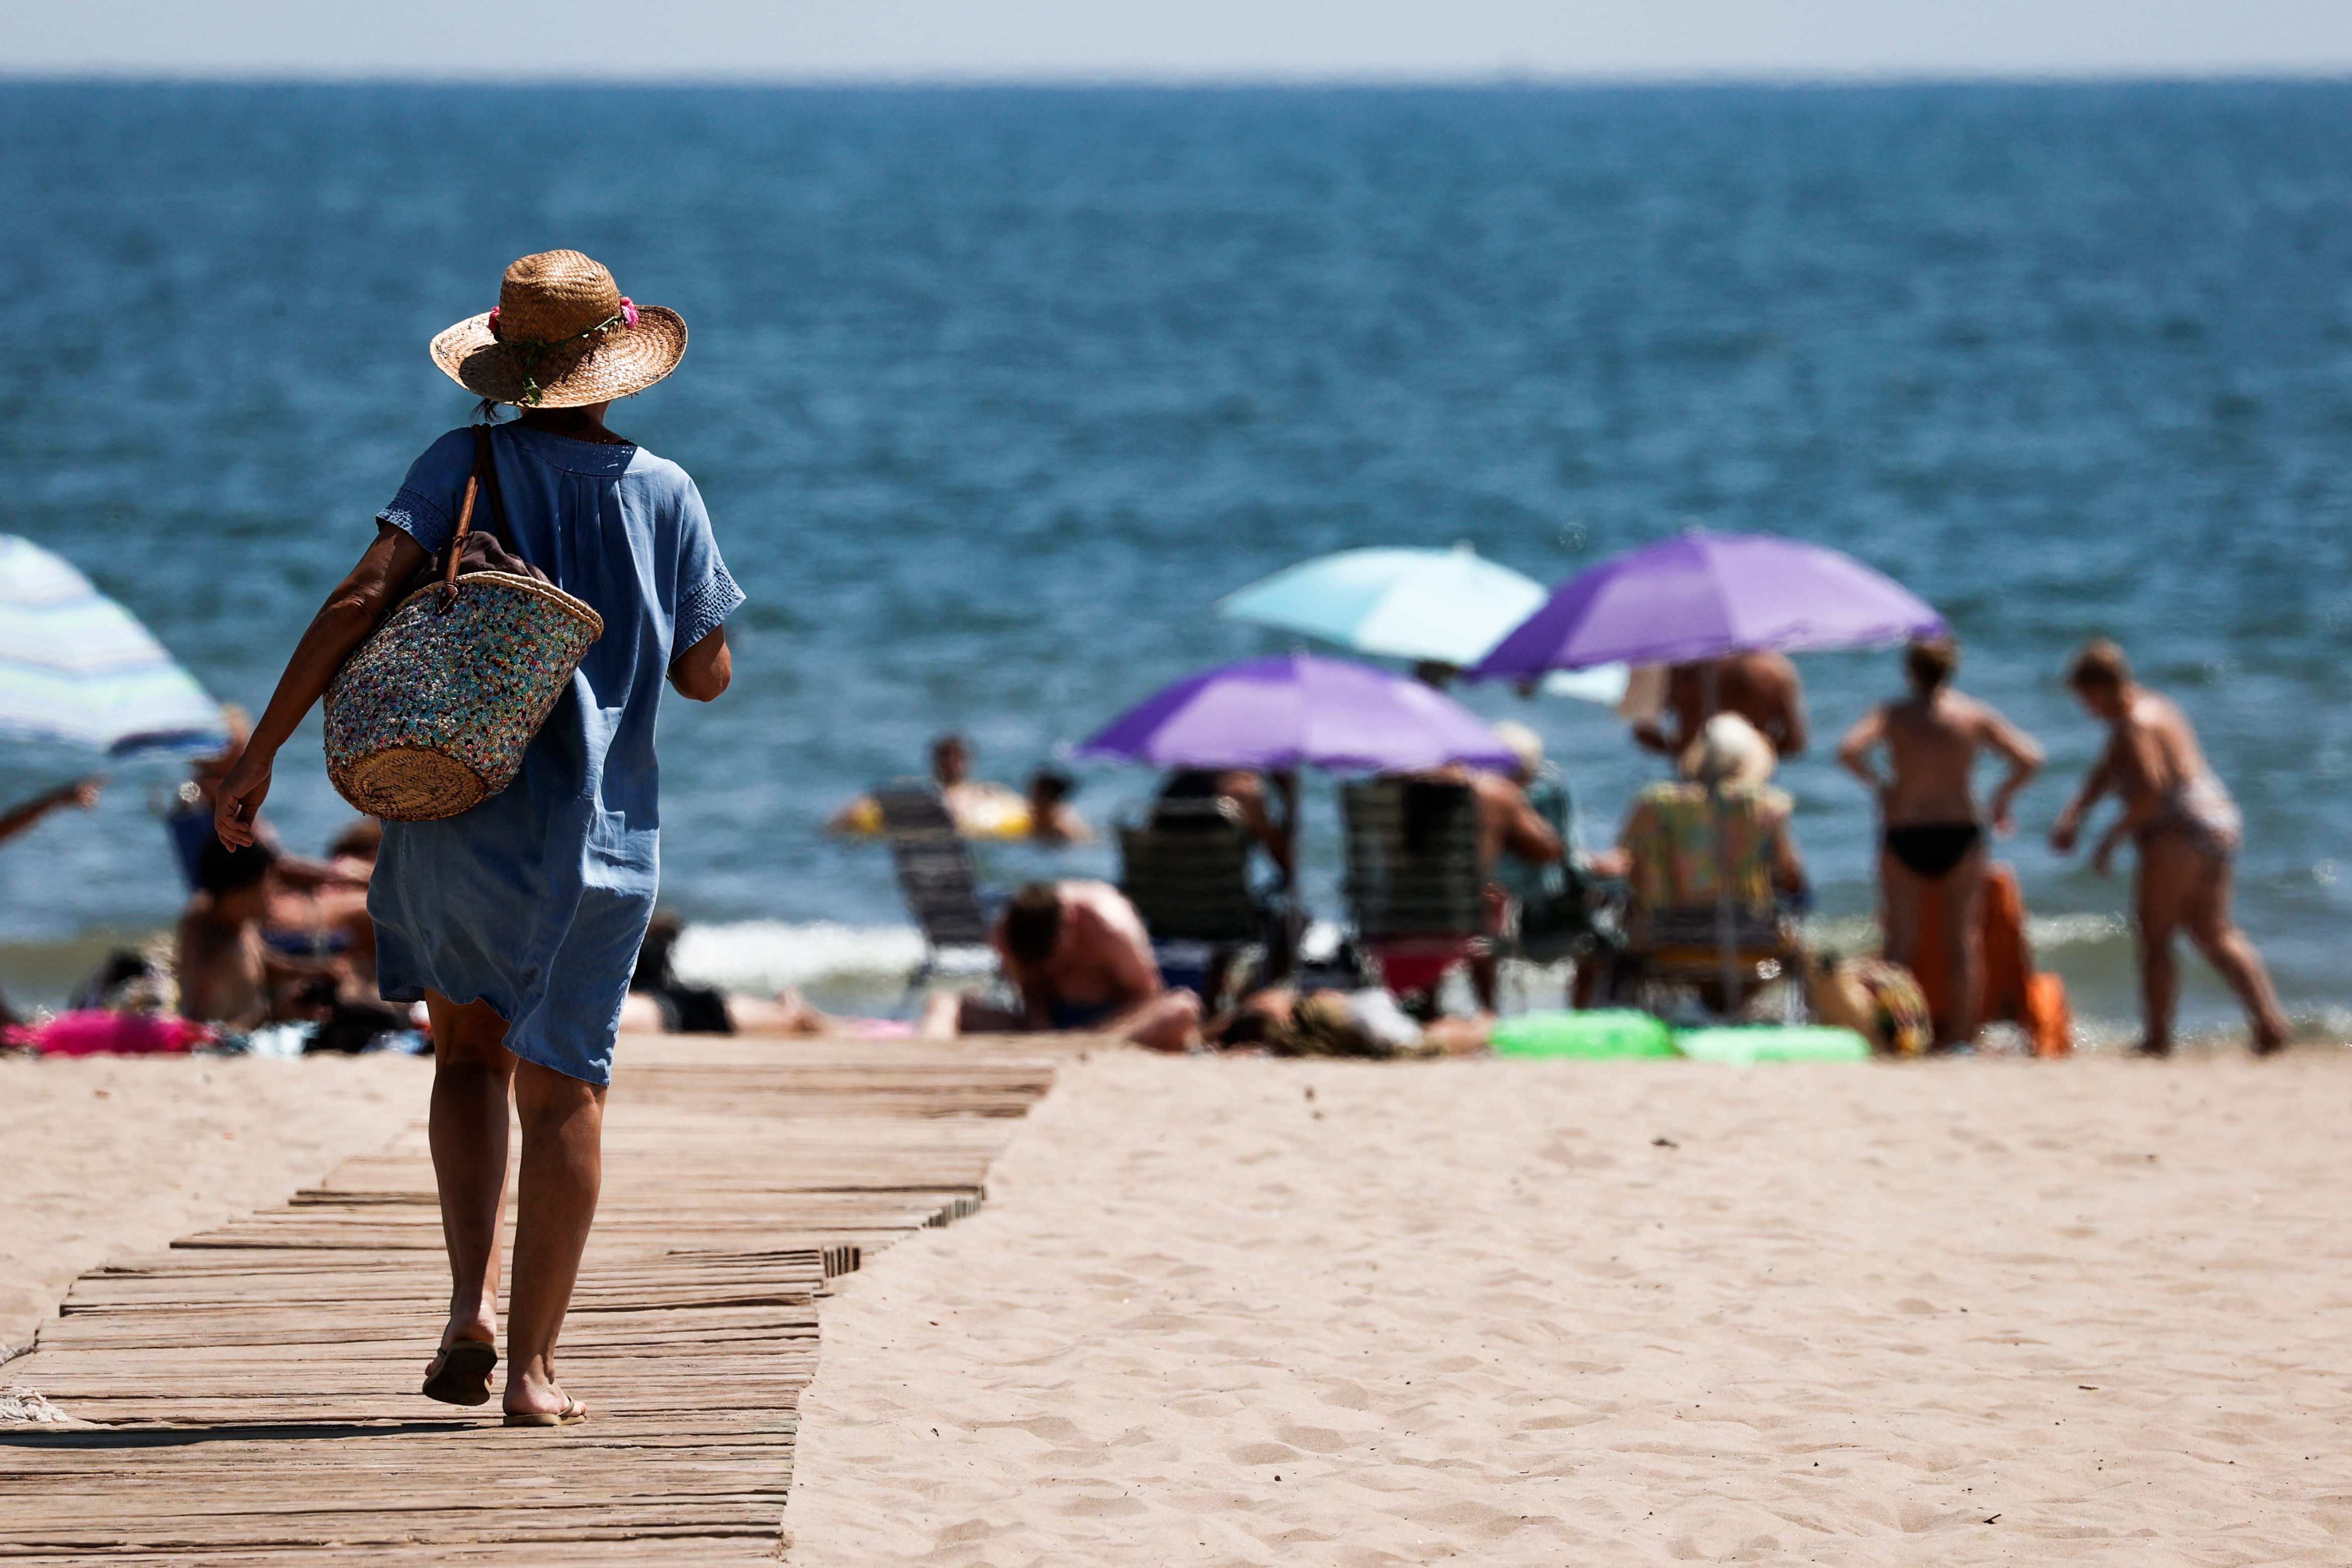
{"x":563,"y":335}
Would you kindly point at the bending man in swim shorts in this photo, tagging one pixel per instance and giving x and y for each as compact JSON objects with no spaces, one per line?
{"x":1932,"y":842}
{"x":1080,"y":957}
{"x":2187,"y":830}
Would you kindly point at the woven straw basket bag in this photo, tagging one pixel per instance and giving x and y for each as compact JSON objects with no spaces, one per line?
{"x":431,"y":715}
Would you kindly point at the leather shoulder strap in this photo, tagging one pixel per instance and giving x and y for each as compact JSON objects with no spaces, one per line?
{"x":486,"y":469}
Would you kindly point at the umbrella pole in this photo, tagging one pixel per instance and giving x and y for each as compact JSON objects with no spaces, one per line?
{"x":1726,"y":956}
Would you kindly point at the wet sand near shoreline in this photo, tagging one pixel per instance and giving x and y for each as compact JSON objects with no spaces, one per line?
{"x":111,"y":1155}
{"x":1965,"y":1311}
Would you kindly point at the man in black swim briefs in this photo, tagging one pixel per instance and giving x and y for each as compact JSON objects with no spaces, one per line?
{"x":1933,"y":841}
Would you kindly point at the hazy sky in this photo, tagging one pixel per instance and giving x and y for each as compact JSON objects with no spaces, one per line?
{"x":1174,"y":38}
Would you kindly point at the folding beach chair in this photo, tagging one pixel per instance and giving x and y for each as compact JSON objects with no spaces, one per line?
{"x":936,"y":877}
{"x":1675,"y":948}
{"x":1414,"y":887}
{"x":1187,"y":873}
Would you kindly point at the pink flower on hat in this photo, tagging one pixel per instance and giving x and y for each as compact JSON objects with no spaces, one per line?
{"x":628,"y":310}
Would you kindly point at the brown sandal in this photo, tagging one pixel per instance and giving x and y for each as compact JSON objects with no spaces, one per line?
{"x":460,"y":1374}
{"x":571,"y":1415}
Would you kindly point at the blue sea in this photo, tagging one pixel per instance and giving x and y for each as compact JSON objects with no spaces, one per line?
{"x":993,"y":392}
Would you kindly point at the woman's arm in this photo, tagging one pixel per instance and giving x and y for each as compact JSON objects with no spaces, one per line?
{"x":342,"y":623}
{"x":2095,"y":783}
{"x":2024,"y":761}
{"x":81,"y":792}
{"x":704,"y":671}
{"x":1854,"y":751}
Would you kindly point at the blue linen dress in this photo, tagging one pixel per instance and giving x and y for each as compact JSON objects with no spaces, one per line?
{"x":536,"y":900}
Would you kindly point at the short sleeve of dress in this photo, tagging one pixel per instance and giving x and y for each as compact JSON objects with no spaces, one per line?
{"x":425,"y":509}
{"x":707,"y":594}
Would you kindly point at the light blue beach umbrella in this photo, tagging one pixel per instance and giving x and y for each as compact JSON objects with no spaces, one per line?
{"x":76,"y":666}
{"x":1449,"y":607}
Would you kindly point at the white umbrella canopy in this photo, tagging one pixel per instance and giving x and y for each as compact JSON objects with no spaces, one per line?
{"x":77,"y":667}
{"x":1447,"y":607}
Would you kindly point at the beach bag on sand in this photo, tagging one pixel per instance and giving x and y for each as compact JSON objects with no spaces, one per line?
{"x":430,"y":715}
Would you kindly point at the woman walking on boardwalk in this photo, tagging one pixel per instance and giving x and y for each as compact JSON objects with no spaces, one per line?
{"x":517,"y":922}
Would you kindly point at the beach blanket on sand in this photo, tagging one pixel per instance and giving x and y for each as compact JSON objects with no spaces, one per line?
{"x":536,"y":900}
{"x":96,"y":1032}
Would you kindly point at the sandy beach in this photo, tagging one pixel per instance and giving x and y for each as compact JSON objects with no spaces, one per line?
{"x":1970,"y":1312}
{"x":113,"y":1156}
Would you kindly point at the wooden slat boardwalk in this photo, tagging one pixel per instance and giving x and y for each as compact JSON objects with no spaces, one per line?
{"x":253,"y":1389}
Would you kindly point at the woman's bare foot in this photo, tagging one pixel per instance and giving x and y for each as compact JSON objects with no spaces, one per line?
{"x":463,"y":1378}
{"x":531,"y":1390}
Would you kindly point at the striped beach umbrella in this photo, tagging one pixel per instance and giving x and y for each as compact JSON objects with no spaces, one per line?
{"x":76,"y":666}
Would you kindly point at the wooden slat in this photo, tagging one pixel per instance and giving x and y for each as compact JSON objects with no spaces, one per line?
{"x":250,"y":1393}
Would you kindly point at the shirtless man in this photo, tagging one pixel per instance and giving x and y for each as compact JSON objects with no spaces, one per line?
{"x":1051,"y":819}
{"x":1079,"y":957}
{"x":2187,"y":830}
{"x":1761,"y":687}
{"x":1248,"y":795}
{"x":1932,"y":845}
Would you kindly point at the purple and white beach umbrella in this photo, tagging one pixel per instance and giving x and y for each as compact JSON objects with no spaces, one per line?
{"x":1297,"y":708}
{"x":1701,"y":596}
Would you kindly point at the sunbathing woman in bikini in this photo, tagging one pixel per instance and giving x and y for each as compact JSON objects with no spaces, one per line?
{"x":1933,"y":843}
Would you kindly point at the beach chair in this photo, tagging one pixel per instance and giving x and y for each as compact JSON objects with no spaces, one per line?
{"x":1415,"y":891}
{"x":1675,"y":949}
{"x":1187,"y":873}
{"x":937,"y":880}
{"x":1564,"y":912}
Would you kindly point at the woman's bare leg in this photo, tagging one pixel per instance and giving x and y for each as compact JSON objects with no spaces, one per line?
{"x":563,"y":1169}
{"x":1960,"y":891}
{"x":1170,"y":1022}
{"x":2232,"y":955}
{"x":472,"y":1069}
{"x":2167,"y":876}
{"x":1900,"y":895}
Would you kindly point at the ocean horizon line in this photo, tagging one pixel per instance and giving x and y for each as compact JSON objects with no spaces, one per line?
{"x":1077,"y":81}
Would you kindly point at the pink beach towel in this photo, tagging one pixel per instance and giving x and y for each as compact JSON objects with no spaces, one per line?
{"x":96,"y":1032}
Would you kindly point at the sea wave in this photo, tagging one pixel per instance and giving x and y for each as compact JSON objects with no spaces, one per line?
{"x":1854,"y":934}
{"x":762,"y":957}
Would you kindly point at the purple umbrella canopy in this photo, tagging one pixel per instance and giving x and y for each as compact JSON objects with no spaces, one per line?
{"x":1701,"y":596}
{"x":1298,"y":708}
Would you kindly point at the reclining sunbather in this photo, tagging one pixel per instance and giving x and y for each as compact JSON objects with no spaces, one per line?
{"x":1079,"y":956}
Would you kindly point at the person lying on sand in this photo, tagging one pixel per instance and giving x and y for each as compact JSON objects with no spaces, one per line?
{"x":1327,"y":1022}
{"x":660,"y":1003}
{"x":2187,"y":830}
{"x":1932,"y":842}
{"x":1078,"y":955}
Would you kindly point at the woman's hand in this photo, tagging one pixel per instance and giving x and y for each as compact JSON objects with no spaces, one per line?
{"x":342,"y":623}
{"x":241,"y":795}
{"x":2062,"y":832}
